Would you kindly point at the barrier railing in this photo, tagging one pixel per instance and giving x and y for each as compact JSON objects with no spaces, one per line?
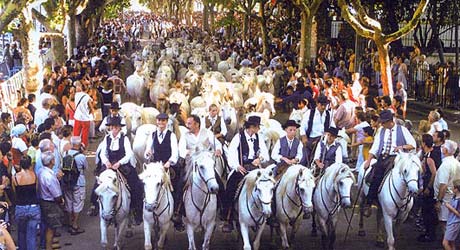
{"x":11,"y":90}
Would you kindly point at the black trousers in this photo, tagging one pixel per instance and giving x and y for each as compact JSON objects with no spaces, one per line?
{"x":178,"y":185}
{"x":308,"y":150}
{"x":429,"y":215}
{"x":380,"y":168}
{"x":136,"y":188}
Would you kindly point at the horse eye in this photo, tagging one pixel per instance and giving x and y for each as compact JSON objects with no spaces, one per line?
{"x":302,"y":190}
{"x":341,"y":183}
{"x":158,"y":184}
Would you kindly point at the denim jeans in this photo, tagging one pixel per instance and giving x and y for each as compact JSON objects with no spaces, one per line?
{"x":27,"y":217}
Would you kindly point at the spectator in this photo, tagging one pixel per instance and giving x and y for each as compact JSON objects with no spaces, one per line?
{"x":433,"y":118}
{"x":27,"y":211}
{"x":42,"y":113}
{"x":5,"y":129}
{"x":75,"y":196}
{"x":82,"y":114}
{"x":50,"y":198}
{"x":344,"y":116}
{"x":453,"y":222}
{"x":441,"y":120}
{"x":31,"y":107}
{"x":18,"y":146}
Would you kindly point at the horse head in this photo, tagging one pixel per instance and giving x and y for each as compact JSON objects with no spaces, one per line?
{"x":155,"y":179}
{"x":263,"y":189}
{"x":343,"y":181}
{"x":296,"y":115}
{"x":409,"y":166}
{"x":228,"y":112}
{"x":305,"y":184}
{"x":108,"y":193}
{"x":203,"y":166}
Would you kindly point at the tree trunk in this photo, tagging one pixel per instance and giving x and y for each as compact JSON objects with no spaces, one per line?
{"x":211,"y":19}
{"x":263,"y":30}
{"x":305,"y":40}
{"x":71,"y":34}
{"x":57,"y":48}
{"x":81,"y":31}
{"x":205,"y":17}
{"x":245,"y":28}
{"x":30,"y":58}
{"x":385,"y":68}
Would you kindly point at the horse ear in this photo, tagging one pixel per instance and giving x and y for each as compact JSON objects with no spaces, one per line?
{"x":98,"y":180}
{"x":300,"y":172}
{"x":114,"y":181}
{"x":259,"y":174}
{"x":144,"y":166}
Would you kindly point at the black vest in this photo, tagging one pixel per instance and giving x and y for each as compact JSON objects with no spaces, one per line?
{"x":115,"y":156}
{"x":328,"y":157}
{"x":243,"y":149}
{"x":161,"y":151}
{"x":284,"y":148}
{"x":216,"y":128}
{"x":310,"y":121}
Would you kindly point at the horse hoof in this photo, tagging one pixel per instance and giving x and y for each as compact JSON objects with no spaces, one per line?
{"x":148,"y":247}
{"x":314,"y":233}
{"x":380,"y":244}
{"x":361,"y":233}
{"x":129,"y":234}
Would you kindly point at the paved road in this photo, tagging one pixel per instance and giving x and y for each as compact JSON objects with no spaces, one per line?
{"x":404,"y":240}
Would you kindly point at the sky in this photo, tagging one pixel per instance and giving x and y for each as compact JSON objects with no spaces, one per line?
{"x":136,"y":6}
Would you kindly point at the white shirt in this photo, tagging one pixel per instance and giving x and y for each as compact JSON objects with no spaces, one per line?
{"x":375,"y":146}
{"x":40,"y":116}
{"x":189,"y":142}
{"x":276,"y":156}
{"x":44,"y":96}
{"x":443,"y":124}
{"x":317,"y":125}
{"x":82,"y":112}
{"x":446,"y":173}
{"x":338,"y":152}
{"x":232,"y":157}
{"x":19,"y":144}
{"x":114,"y":146}
{"x":174,"y":145}
{"x":435,"y":126}
{"x":223,"y":128}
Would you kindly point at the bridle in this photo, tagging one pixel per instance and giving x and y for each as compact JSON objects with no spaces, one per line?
{"x":115,"y":208}
{"x":258,"y":222}
{"x":299,"y":205}
{"x":207,"y":192}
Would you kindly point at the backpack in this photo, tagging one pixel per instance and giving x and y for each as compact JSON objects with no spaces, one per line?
{"x":70,"y":170}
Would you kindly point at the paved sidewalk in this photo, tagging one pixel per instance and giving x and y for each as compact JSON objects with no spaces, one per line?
{"x":423,"y":109}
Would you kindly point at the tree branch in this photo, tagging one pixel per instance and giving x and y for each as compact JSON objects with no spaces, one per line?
{"x":364,"y":18}
{"x":11,"y":11}
{"x":41,"y":18}
{"x":357,"y":26}
{"x":410,"y":25}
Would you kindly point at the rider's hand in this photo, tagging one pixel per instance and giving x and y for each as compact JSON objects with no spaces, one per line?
{"x":242,"y":170}
{"x":167,"y":164}
{"x":148,"y":154}
{"x":366,"y":164}
{"x":218,"y":153}
{"x":320,"y":165}
{"x":398,"y":149}
{"x":116,"y":166}
{"x":108,"y":165}
{"x":256,"y":162}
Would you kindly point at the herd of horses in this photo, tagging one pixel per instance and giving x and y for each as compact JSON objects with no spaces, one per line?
{"x":237,"y":93}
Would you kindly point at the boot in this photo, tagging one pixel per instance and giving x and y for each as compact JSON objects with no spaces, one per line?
{"x":177,"y":218}
{"x":228,"y":224}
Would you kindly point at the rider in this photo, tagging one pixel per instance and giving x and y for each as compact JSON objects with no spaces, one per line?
{"x":287,"y":150}
{"x":313,"y":126}
{"x":215,"y":123}
{"x":116,"y":154}
{"x":196,"y":137}
{"x":246,"y":152}
{"x":114,"y":111}
{"x":389,"y":140}
{"x":328,"y":150}
{"x":162,"y":147}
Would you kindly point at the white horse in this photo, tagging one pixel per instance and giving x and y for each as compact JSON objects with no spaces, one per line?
{"x":140,"y":141}
{"x":395,"y":195}
{"x":114,"y":202}
{"x":200,"y":198}
{"x":158,"y":203}
{"x":333,"y":191}
{"x":133,"y":116}
{"x":136,"y":85}
{"x":229,"y":115}
{"x":293,"y":196}
{"x":254,"y":204}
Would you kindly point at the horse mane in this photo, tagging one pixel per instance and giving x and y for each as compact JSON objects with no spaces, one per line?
{"x":196,"y":157}
{"x":289,"y":176}
{"x":334,"y":171}
{"x":250,"y":181}
{"x":401,"y":161}
{"x":157,"y":166}
{"x":106,"y":181}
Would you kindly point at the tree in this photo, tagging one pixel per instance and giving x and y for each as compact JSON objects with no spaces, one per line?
{"x":9,"y":11}
{"x":370,"y":28}
{"x":308,"y":12}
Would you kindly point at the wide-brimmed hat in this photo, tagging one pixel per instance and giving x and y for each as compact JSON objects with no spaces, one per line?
{"x":290,"y":123}
{"x":115,"y":105}
{"x":162,"y":116}
{"x":115,"y":121}
{"x":333,"y":131}
{"x":252,"y":120}
{"x":385,"y":115}
{"x":322,"y":99}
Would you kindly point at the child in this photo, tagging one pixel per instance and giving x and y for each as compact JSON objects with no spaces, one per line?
{"x":453,"y":221}
{"x":367,"y":143}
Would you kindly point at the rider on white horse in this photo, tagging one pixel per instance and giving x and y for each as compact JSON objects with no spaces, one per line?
{"x":389,"y":140}
{"x":215,"y":123}
{"x":114,"y":111}
{"x":247,"y":151}
{"x":116,"y":154}
{"x":328,"y":150}
{"x":197,"y":137}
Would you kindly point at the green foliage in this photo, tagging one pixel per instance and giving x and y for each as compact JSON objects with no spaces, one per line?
{"x":113,"y":9}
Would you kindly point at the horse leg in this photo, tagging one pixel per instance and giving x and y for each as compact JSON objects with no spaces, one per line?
{"x":103,"y":233}
{"x":361,"y":231}
{"x":379,"y":237}
{"x":118,"y":232}
{"x":389,"y":229}
{"x":295,"y":227}
{"x":284,"y":240}
{"x":332,"y":236}
{"x":314,"y":232}
{"x":191,"y":239}
{"x":245,"y":235}
{"x":208,"y":234}
{"x":147,"y":234}
{"x":324,"y":233}
{"x":256,"y":243}
{"x":163,"y":231}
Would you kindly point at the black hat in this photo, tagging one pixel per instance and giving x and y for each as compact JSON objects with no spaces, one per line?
{"x":385,"y":115}
{"x":322,"y":99}
{"x":333,"y":131}
{"x":115,"y":105}
{"x":114,"y":121}
{"x":162,"y":116}
{"x":252,"y":120}
{"x":290,"y":123}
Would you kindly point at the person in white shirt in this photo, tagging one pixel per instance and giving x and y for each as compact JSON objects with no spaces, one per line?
{"x":42,"y":112}
{"x":433,"y":118}
{"x":443,"y":187}
{"x":287,"y":150}
{"x":441,"y":120}
{"x":328,"y":150}
{"x":247,"y":151}
{"x":215,"y":123}
{"x":388,"y":140}
{"x":18,"y":146}
{"x":114,"y":111}
{"x":83,"y":116}
{"x":314,"y":124}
